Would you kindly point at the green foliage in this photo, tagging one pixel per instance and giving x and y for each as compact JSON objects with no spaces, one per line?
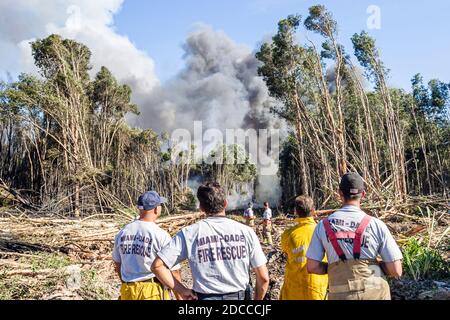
{"x":55,"y":55}
{"x":282,"y":60}
{"x":367,"y":54}
{"x":422,"y":262}
{"x":165,"y":156}
{"x":433,"y":101}
{"x":48,"y":261}
{"x":321,"y":20}
{"x":420,"y":92}
{"x":229,"y":165}
{"x":110,"y":99}
{"x":65,"y":133}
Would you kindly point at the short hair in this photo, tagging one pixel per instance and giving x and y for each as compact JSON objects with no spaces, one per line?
{"x":212,"y":197}
{"x":266,"y":203}
{"x":304,"y":206}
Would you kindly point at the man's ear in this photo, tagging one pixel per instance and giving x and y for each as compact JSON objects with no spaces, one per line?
{"x":363,"y":195}
{"x":200,"y":208}
{"x":225,"y":203}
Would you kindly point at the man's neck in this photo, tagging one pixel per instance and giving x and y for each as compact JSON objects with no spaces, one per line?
{"x":352,"y":203}
{"x":220,"y":214}
{"x":147,"y":217}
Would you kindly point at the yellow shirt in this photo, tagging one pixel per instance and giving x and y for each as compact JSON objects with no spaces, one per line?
{"x":298,"y":283}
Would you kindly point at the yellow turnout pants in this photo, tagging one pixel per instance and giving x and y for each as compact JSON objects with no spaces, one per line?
{"x":267,"y":234}
{"x":143,"y":291}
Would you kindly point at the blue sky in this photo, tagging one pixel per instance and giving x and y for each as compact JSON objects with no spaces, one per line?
{"x":414,"y":35}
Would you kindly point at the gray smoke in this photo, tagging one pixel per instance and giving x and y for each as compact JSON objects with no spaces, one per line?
{"x":219,"y":86}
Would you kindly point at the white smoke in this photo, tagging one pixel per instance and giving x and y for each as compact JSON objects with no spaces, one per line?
{"x":87,"y":21}
{"x":219,"y":86}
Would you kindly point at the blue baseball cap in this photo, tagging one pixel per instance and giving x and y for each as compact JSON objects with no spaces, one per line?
{"x":150,"y":200}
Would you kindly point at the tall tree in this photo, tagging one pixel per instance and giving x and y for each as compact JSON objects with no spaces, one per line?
{"x":368,"y":55}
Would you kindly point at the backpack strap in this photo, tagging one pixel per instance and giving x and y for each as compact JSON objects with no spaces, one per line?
{"x":358,"y":235}
{"x":333,"y":239}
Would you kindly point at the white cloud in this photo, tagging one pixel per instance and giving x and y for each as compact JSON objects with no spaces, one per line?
{"x":87,"y":21}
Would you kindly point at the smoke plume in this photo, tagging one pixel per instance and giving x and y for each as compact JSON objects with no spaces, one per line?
{"x":219,"y":86}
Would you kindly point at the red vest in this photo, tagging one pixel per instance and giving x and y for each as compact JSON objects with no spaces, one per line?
{"x":356,"y":236}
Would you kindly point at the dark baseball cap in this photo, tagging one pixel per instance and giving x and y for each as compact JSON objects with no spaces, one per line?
{"x":150,"y":200}
{"x":351,"y":184}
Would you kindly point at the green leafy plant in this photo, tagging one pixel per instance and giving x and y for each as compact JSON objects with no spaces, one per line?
{"x":422,"y":262}
{"x":49,"y":261}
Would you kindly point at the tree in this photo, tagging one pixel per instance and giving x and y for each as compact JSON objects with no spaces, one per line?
{"x":286,"y":66}
{"x":320,"y":20}
{"x":368,"y":55}
{"x":64,"y":137}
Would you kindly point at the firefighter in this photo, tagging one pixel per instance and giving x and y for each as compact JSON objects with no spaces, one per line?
{"x":135,"y":248}
{"x":249,"y":215}
{"x":220,"y":252}
{"x":352,"y":241}
{"x":298,"y":283}
{"x":267,"y":225}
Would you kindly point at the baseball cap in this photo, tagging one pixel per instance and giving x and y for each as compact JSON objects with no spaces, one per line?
{"x":351,"y":184}
{"x":150,"y":200}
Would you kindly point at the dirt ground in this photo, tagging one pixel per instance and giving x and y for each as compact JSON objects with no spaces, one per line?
{"x":48,"y":258}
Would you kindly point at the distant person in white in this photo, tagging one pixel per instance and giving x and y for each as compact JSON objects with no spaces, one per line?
{"x":220,"y":252}
{"x":249,"y":215}
{"x":267,"y":224}
{"x":135,"y":248}
{"x":352,"y":241}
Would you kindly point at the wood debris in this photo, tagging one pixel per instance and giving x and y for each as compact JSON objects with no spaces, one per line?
{"x":27,"y":241}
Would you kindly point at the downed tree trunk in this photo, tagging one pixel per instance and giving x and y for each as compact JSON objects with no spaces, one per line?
{"x":27,"y":272}
{"x":16,"y":195}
